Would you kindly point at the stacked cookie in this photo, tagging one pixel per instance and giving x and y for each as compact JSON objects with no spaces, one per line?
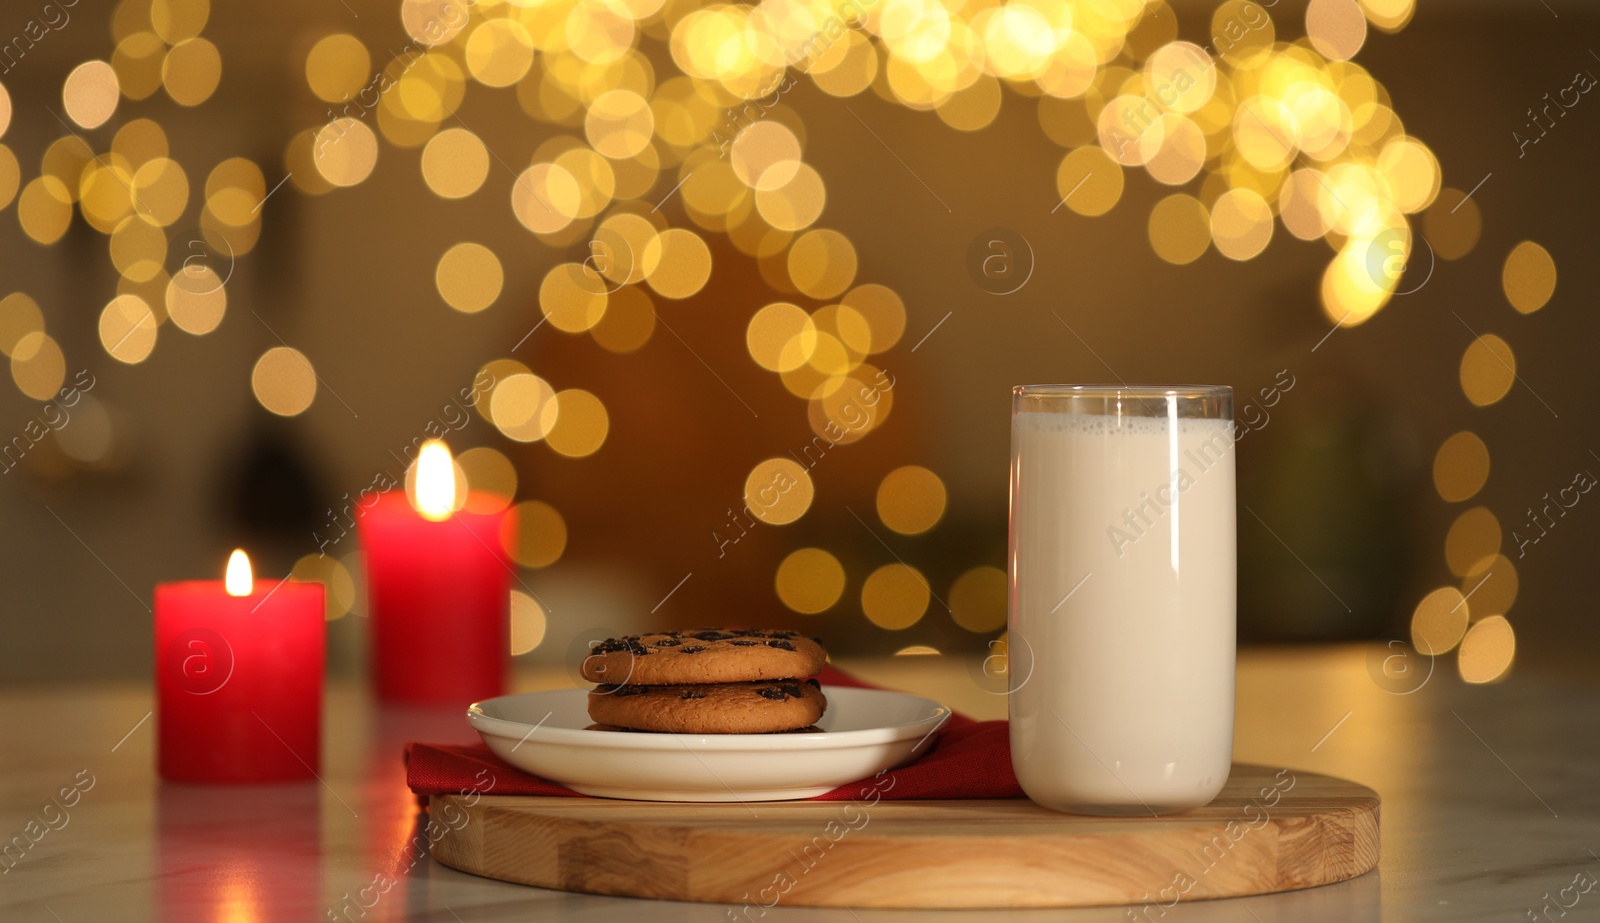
{"x":706,"y":681}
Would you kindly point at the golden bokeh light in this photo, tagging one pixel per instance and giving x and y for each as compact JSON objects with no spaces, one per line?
{"x":1461,"y":467}
{"x":491,"y":479}
{"x":822,"y":263}
{"x":617,"y":248}
{"x":128,"y":329}
{"x":196,"y":299}
{"x":1529,"y":277}
{"x":1474,"y":535}
{"x":847,"y":327}
{"x":1241,"y":224}
{"x":338,"y":67}
{"x":619,"y":124}
{"x":1439,"y":621}
{"x":523,"y":407}
{"x":883,"y":311}
{"x":1491,"y":586}
{"x":545,"y":198}
{"x":527,"y":623}
{"x":103,"y":196}
{"x":235,"y":190}
{"x":191,"y":71}
{"x":283,"y":381}
{"x":973,"y":107}
{"x":177,"y":21}
{"x":5,"y":110}
{"x":499,"y":52}
{"x":1089,"y":181}
{"x":10,"y":176}
{"x":1337,"y":28}
{"x":573,"y":297}
{"x":676,"y":263}
{"x":469,"y":277}
{"x":91,"y":93}
{"x":795,"y":204}
{"x":138,"y":250}
{"x":1412,"y":173}
{"x":895,"y":596}
{"x":44,"y":209}
{"x":778,"y":491}
{"x":535,"y":534}
{"x":19,"y":316}
{"x":1181,"y":153}
{"x":67,"y":160}
{"x":455,"y":163}
{"x":781,"y":337}
{"x":765,"y":155}
{"x":1487,"y":650}
{"x":978,"y":600}
{"x":1488,"y":370}
{"x":1301,"y":204}
{"x":911,"y":500}
{"x":581,"y":424}
{"x":1180,"y":229}
{"x":160,"y":191}
{"x":345,"y":152}
{"x":38,"y":365}
{"x":138,"y":60}
{"x":810,"y":580}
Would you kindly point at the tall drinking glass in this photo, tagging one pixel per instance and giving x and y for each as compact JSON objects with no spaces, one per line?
{"x":1122,"y":596}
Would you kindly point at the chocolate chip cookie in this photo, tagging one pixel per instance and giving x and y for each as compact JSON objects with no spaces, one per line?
{"x":703,"y":655}
{"x":723,"y":708}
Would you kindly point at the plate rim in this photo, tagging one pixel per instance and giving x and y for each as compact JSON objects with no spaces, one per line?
{"x":485,"y":724}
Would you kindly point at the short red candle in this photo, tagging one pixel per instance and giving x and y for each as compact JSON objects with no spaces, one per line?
{"x":239,"y":681}
{"x":438,"y":598}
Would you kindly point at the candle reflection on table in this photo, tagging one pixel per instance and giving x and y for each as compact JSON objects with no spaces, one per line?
{"x":242,"y":854}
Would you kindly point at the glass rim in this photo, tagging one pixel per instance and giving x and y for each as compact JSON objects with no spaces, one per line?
{"x":1135,"y":392}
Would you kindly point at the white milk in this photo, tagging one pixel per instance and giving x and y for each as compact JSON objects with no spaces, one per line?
{"x":1128,"y":705}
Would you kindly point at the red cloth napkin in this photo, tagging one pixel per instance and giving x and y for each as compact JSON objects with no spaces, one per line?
{"x":969,"y":759}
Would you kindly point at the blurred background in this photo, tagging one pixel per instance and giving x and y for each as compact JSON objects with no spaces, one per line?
{"x":640,"y":278}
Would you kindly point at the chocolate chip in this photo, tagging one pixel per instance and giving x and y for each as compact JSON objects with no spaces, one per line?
{"x":792,"y":690}
{"x":669,"y":642}
{"x":747,"y":643}
{"x":813,"y":681}
{"x":711,"y":636}
{"x":691,"y":649}
{"x":623,"y":691}
{"x":785,"y":634}
{"x":781,"y":645}
{"x":816,"y":640}
{"x":774,"y":693}
{"x":691,"y":694}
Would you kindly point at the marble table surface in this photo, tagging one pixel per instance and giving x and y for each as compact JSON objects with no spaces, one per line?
{"x":1490,"y":806}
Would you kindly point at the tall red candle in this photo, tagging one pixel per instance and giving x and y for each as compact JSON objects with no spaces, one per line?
{"x":438,"y":598}
{"x":239,"y":678}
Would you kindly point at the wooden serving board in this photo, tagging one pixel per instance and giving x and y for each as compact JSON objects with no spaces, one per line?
{"x":1269,"y":830}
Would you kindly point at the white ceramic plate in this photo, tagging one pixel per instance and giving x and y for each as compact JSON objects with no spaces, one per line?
{"x":865,"y":731}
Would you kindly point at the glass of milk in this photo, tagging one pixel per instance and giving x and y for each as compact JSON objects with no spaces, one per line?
{"x":1122,"y":568}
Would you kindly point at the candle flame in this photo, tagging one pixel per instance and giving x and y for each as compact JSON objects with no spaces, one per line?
{"x":239,"y":581}
{"x":435,"y":482}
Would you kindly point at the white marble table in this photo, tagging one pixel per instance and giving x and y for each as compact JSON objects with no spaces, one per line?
{"x":1490,"y":804}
